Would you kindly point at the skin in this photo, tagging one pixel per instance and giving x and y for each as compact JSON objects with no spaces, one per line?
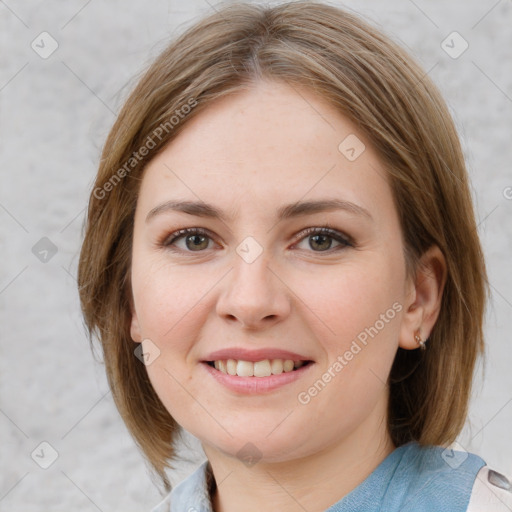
{"x":249,"y":154}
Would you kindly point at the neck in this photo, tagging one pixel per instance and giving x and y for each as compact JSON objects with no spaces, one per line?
{"x":312,"y":483}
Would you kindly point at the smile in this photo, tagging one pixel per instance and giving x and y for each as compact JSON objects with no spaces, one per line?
{"x":256,"y":377}
{"x":263,"y":368}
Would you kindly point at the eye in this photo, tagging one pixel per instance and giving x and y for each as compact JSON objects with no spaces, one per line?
{"x":194,"y":240}
{"x":321,"y":239}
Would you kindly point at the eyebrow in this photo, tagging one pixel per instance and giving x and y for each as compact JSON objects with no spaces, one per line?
{"x":202,"y":209}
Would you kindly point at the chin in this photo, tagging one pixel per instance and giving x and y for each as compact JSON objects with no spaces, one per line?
{"x":257,"y":446}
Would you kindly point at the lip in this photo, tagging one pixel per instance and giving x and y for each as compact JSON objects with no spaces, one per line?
{"x":254,"y":355}
{"x":256,"y":385}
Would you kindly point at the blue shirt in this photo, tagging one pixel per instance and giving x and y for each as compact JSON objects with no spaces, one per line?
{"x":410,"y":479}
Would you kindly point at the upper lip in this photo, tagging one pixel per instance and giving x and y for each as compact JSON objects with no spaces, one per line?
{"x":261,"y":354}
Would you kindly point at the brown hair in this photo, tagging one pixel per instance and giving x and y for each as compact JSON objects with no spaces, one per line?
{"x":372,"y":81}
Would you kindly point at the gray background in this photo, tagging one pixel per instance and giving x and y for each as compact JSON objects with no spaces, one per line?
{"x":54,"y":116}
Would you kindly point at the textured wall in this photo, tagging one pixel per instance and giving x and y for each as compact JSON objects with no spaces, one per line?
{"x":55,"y":113}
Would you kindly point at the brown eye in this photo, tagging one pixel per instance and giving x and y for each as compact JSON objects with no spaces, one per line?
{"x":322,"y":240}
{"x":188,"y":240}
{"x":196,"y":242}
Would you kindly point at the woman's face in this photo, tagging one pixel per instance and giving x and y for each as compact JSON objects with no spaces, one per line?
{"x":260,"y":174}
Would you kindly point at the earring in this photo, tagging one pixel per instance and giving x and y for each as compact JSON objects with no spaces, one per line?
{"x":419,"y":341}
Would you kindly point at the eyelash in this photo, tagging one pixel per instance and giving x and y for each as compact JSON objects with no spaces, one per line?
{"x":344,"y":240}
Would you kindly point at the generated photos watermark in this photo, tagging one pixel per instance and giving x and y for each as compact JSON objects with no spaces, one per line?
{"x":149,"y":144}
{"x":358,"y":343}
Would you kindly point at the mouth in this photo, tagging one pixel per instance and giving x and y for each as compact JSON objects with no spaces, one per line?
{"x":257,"y":369}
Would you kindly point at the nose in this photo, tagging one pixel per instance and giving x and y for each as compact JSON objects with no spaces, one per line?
{"x":253,"y":296}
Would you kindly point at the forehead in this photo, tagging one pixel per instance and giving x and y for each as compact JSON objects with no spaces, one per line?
{"x":265,"y":146}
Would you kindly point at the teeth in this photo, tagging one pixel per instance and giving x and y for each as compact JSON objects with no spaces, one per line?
{"x":231,"y":366}
{"x":245,"y":369}
{"x":263,"y":368}
{"x":288,"y":365}
{"x":276,"y":366}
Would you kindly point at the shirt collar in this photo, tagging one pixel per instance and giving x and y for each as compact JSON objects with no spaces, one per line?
{"x":194,"y":492}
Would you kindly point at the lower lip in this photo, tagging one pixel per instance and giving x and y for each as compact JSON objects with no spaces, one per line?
{"x":256,"y":385}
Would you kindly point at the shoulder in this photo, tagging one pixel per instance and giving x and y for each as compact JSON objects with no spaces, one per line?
{"x":430,"y":477}
{"x":492,"y":492}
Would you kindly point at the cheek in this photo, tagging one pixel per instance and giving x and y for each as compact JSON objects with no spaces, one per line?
{"x":167,"y":300}
{"x":360,"y":311}
{"x":171,"y":314}
{"x":352,"y":299}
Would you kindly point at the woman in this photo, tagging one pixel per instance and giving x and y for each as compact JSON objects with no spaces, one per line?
{"x":282,"y":224}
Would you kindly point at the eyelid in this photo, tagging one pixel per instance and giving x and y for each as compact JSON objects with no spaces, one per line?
{"x":326,"y":229}
{"x":175,"y":235}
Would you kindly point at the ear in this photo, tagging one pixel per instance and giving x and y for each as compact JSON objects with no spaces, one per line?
{"x":423,"y":298}
{"x":135,"y":330}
